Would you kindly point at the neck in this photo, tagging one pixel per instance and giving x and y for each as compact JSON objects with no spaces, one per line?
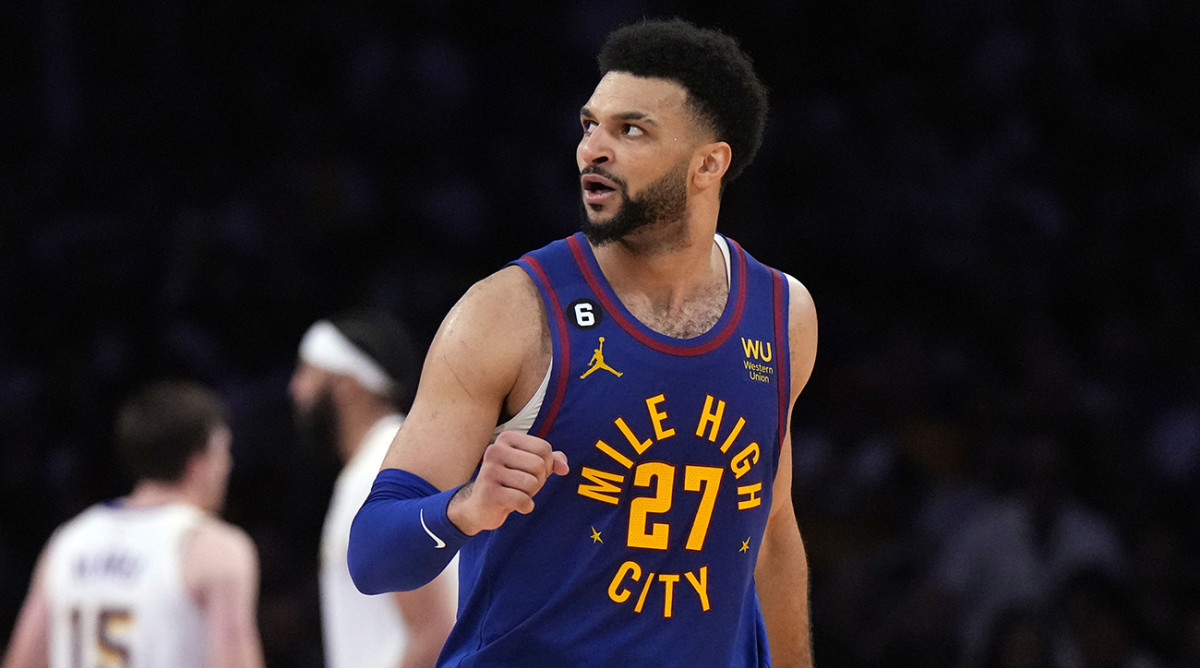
{"x":680,"y":292}
{"x":665,"y":275}
{"x":356,"y":422}
{"x":149,"y":493}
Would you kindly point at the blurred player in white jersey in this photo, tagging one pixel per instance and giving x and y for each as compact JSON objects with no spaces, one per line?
{"x":154,"y":578}
{"x":355,"y":375}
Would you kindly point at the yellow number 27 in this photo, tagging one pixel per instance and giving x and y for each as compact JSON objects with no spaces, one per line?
{"x":661,"y":476}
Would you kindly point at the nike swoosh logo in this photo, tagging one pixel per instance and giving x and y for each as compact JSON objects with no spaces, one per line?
{"x":439,"y":542}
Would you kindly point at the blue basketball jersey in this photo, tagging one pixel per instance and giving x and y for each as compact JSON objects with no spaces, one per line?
{"x":644,"y":554}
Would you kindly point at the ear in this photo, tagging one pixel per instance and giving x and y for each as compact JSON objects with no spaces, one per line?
{"x":713,"y":159}
{"x":195,"y":467}
{"x":348,"y":391}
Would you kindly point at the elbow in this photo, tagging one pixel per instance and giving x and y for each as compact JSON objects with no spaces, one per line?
{"x":372,"y":580}
{"x":361,"y":572}
{"x":376,"y":560}
{"x":390,"y":547}
{"x":371,"y":569}
{"x":363,"y":561}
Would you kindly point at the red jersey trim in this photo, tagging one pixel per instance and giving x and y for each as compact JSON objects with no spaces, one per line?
{"x":559,"y":325}
{"x":636,"y":329}
{"x":780,"y":300}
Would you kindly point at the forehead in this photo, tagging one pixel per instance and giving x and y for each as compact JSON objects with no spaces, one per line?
{"x":621,"y":93}
{"x":307,"y":368}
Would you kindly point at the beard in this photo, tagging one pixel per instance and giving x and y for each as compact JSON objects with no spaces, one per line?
{"x":661,"y":203}
{"x":318,"y":426}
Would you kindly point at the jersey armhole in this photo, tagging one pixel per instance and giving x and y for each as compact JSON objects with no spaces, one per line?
{"x":554,"y":384}
{"x":523,"y":420}
{"x":780,"y":303}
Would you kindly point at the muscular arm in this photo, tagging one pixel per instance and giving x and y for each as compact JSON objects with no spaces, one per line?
{"x":221,"y":572}
{"x":29,"y":646}
{"x":490,"y":341}
{"x":489,"y":354}
{"x":781,"y":574}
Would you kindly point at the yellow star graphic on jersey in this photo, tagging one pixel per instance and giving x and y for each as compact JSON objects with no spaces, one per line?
{"x":596,"y":536}
{"x":745,"y":546}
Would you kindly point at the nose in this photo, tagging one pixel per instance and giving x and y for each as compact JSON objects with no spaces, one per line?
{"x":296,"y":384}
{"x":594,"y":148}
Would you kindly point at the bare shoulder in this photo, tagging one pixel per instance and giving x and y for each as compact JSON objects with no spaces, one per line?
{"x":802,"y":311}
{"x":486,"y":352}
{"x":506,"y":302}
{"x":802,"y":333}
{"x":489,"y":336}
{"x":46,"y":556}
{"x":219,"y":552}
{"x":29,"y":643}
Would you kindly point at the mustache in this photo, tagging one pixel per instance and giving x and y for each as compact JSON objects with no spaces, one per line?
{"x":600,"y":171}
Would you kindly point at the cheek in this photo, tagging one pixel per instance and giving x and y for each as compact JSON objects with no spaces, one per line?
{"x":224,"y":466}
{"x":301,"y":385}
{"x":304,"y":390}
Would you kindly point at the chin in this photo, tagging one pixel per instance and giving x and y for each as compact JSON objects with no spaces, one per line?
{"x":599,"y":215}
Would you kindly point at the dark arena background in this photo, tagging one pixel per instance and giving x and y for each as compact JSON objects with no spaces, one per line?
{"x":995,"y":204}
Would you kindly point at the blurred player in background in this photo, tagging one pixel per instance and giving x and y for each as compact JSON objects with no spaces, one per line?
{"x":634,"y":506}
{"x":354,"y":377}
{"x":154,"y":578}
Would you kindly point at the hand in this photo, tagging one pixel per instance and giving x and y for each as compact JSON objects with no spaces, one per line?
{"x":514,"y":468}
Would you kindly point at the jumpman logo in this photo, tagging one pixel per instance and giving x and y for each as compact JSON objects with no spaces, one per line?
{"x":597,"y":362}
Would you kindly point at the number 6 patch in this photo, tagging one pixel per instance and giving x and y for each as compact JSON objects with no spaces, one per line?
{"x":585,"y":313}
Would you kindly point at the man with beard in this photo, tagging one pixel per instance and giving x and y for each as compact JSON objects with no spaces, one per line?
{"x":633,"y":507}
{"x":354,"y":376}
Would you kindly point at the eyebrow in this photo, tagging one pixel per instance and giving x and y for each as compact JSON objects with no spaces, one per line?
{"x":624,"y":116}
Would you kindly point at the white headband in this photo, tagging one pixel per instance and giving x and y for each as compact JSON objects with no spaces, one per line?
{"x":325,"y":346}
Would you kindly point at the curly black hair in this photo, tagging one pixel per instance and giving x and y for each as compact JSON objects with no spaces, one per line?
{"x":723,"y":89}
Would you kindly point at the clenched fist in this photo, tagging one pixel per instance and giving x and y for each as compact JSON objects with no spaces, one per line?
{"x":514,"y":468}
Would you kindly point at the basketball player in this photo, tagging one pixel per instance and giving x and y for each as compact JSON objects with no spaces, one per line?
{"x":155,"y":578}
{"x":354,"y":375}
{"x":635,"y":506}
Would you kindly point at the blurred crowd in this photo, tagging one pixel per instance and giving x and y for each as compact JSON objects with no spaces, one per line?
{"x":995,"y":204}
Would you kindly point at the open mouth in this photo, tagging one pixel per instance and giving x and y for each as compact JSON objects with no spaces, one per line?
{"x":597,"y":189}
{"x":593,"y":182}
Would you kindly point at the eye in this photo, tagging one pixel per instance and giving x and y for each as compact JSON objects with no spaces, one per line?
{"x":588,"y":125}
{"x":632,"y":130}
